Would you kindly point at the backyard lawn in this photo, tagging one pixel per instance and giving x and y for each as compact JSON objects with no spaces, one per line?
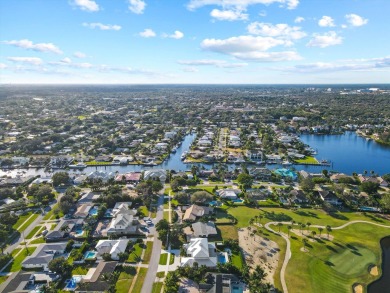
{"x":227,"y":232}
{"x":307,"y":160}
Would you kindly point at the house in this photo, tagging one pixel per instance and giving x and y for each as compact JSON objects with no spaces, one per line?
{"x":93,"y":282}
{"x":201,"y":230}
{"x":23,"y":281}
{"x":124,"y":221}
{"x":199,"y":250}
{"x":329,"y":197}
{"x":43,"y":255}
{"x":132,"y":177}
{"x":195,"y":211}
{"x":260,"y":173}
{"x":222,"y":283}
{"x":62,"y":230}
{"x":124,"y":208}
{"x":101,"y":175}
{"x":88,"y":197}
{"x":156,"y":174}
{"x":254,"y":155}
{"x":336,"y":177}
{"x":296,"y":196}
{"x":170,"y":134}
{"x":228,"y":193}
{"x":113,"y":247}
{"x":83,"y":211}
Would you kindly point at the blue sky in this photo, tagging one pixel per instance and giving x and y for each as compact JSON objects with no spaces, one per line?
{"x":194,"y":41}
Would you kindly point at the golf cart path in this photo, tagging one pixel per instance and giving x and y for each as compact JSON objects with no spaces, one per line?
{"x":288,"y":248}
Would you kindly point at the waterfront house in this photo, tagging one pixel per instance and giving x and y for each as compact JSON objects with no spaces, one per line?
{"x":199,"y":250}
{"x":329,"y":197}
{"x":228,"y":193}
{"x":156,"y":174}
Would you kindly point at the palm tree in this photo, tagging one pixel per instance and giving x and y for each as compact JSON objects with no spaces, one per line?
{"x":328,"y":229}
{"x":65,"y":228}
{"x":288,"y":230}
{"x":260,"y":217}
{"x":313,"y":233}
{"x":320,"y":229}
{"x":280,"y":225}
{"x":302,"y":227}
{"x":304,"y":241}
{"x":249,"y":229}
{"x":308,"y":224}
{"x":256,"y":218}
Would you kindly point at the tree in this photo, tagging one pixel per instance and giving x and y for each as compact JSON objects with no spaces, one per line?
{"x":385,"y":201}
{"x":60,"y":266}
{"x":369,"y":187}
{"x":328,"y":229}
{"x":60,"y":178}
{"x":280,"y":226}
{"x":307,"y":184}
{"x":182,"y":197}
{"x":201,"y":197}
{"x":171,"y":283}
{"x":44,"y":193}
{"x":288,"y":230}
{"x":156,"y":186}
{"x":66,"y":203}
{"x":313,"y":233}
{"x":320,"y":229}
{"x":304,"y":241}
{"x":245,"y":180}
{"x":106,"y":256}
{"x":162,"y":225}
{"x":325,"y":172}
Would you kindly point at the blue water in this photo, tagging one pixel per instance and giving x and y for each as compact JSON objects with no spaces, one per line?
{"x":368,"y":209}
{"x":236,"y":289}
{"x":93,"y":211}
{"x":221,"y":258}
{"x":350,"y":153}
{"x":237,"y":200}
{"x":90,"y":254}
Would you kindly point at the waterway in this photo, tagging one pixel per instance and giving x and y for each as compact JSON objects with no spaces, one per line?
{"x":383,"y":284}
{"x":348,"y":153}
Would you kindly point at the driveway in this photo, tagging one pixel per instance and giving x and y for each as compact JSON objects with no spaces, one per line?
{"x":155,"y":259}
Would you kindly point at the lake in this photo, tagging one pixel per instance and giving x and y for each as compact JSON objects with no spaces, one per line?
{"x":350,"y":153}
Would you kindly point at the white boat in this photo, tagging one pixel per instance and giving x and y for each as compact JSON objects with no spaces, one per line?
{"x":286,"y":163}
{"x":183,"y":155}
{"x":78,"y":166}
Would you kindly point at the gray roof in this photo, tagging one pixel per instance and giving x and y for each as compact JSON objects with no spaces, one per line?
{"x":44,"y":253}
{"x":204,"y":229}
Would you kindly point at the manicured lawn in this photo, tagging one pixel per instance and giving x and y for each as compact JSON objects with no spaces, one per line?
{"x":136,"y":253}
{"x":16,"y":265}
{"x":94,"y":163}
{"x":21,"y":220}
{"x":171,"y":259}
{"x":125,"y":279}
{"x":237,"y":260}
{"x":3,"y":279}
{"x":163,"y":259}
{"x":38,"y":241}
{"x":157,"y":287}
{"x":33,"y":232}
{"x":28,"y":222}
{"x":334,"y":266}
{"x":50,"y":214}
{"x":160,"y":275}
{"x":140,"y":280}
{"x":307,"y":160}
{"x":166,"y":215}
{"x":80,"y":270}
{"x":228,"y":232}
{"x":148,"y":252}
{"x":144,"y":210}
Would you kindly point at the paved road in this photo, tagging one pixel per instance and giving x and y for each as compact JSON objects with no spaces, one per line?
{"x":288,"y":249}
{"x":155,"y":258}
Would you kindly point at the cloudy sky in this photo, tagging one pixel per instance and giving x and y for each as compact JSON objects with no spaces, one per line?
{"x":194,"y":41}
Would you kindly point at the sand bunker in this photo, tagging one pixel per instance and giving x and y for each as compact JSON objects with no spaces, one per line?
{"x":358,"y":288}
{"x":374,"y":271}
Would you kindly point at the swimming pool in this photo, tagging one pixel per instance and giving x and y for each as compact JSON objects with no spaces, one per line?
{"x":72,"y":283}
{"x":93,"y":211}
{"x":221,"y":258}
{"x":90,"y":255}
{"x":79,"y":232}
{"x":238,"y":200}
{"x":369,"y":209}
{"x":237,"y":289}
{"x":215,"y":203}
{"x":286,"y":173}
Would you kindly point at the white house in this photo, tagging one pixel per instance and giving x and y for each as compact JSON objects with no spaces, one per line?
{"x":199,"y":250}
{"x":124,"y":221}
{"x":113,"y":247}
{"x":228,"y":193}
{"x":156,"y":174}
{"x":170,"y":134}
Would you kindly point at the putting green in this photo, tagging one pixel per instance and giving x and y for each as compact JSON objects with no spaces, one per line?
{"x":352,"y":261}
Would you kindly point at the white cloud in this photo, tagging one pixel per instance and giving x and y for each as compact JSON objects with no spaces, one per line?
{"x":356,"y":20}
{"x":299,"y":19}
{"x":230,"y":15}
{"x":3,"y":66}
{"x":176,"y":35}
{"x":147,"y":33}
{"x":79,"y":55}
{"x":212,"y":62}
{"x":325,"y":40}
{"x":263,"y":13}
{"x":240,"y":4}
{"x":27,"y":60}
{"x":87,"y":5}
{"x":281,"y":30}
{"x":40,"y":47}
{"x":250,"y":48}
{"x":190,"y":69}
{"x":103,"y":27}
{"x":66,"y":60}
{"x":137,"y":6}
{"x":326,"y":21}
{"x":340,"y":65}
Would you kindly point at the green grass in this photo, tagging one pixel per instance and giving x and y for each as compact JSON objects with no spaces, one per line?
{"x":136,"y":253}
{"x":237,"y":260}
{"x":94,"y":163}
{"x":50,"y":214}
{"x":166,"y":215}
{"x":124,"y":281}
{"x":157,"y":287}
{"x":148,"y":252}
{"x":140,"y":280}
{"x":307,"y":160}
{"x":21,"y":220}
{"x":79,"y":270}
{"x":33,"y":232}
{"x":334,"y":266}
{"x":227,"y":232}
{"x":16,"y":265}
{"x":160,"y":275}
{"x":28,"y":223}
{"x":3,"y":279}
{"x":163,"y":259}
{"x":171,"y":259}
{"x":38,"y":241}
{"x":144,"y":210}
